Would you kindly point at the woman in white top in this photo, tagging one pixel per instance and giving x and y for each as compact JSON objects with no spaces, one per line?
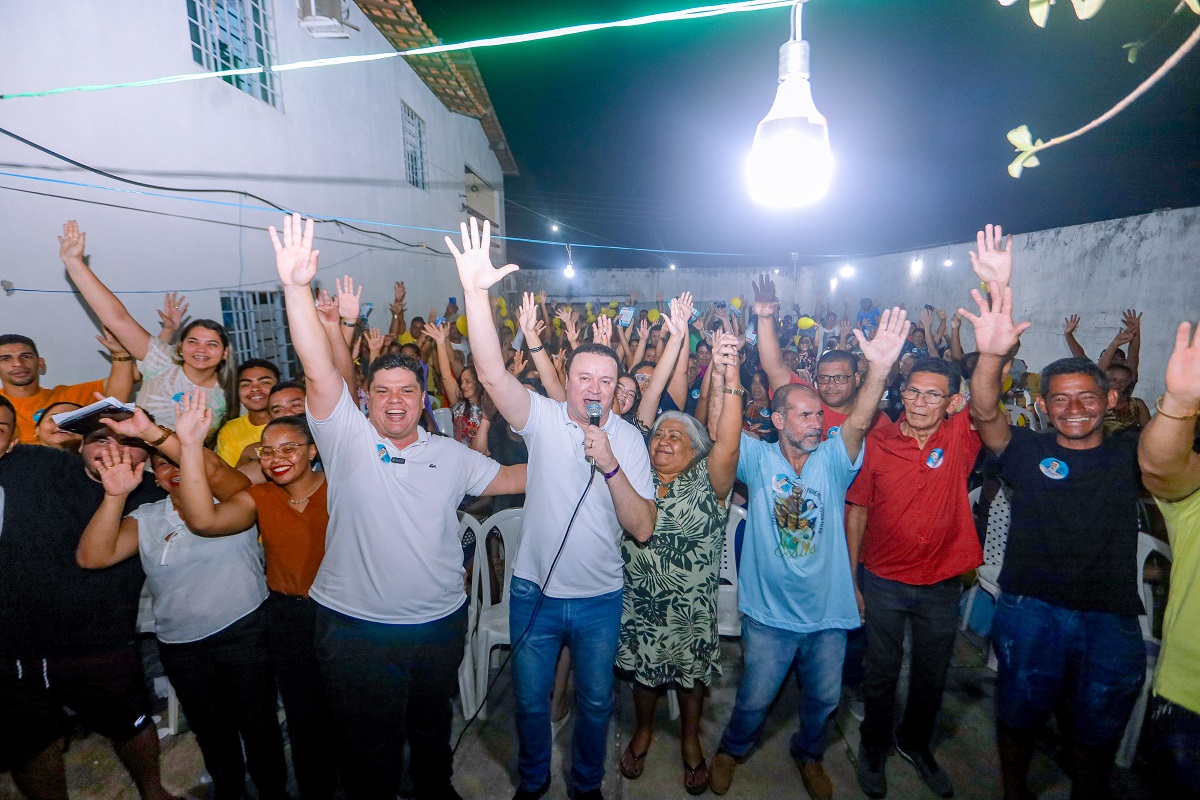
{"x":208,"y":593}
{"x":200,"y":362}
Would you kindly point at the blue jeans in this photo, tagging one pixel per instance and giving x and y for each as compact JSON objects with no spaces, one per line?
{"x":768,"y":656}
{"x":589,"y":626}
{"x":1096,"y":660}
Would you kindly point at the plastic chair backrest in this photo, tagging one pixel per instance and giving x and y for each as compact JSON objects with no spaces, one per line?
{"x":996,"y":538}
{"x":1023,"y":417}
{"x":507,"y":524}
{"x":444,"y":418}
{"x":729,"y":568}
{"x":1147,"y":544}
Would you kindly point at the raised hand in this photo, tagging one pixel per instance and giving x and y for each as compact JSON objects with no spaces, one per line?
{"x":193,"y":419}
{"x":1070,"y":324}
{"x":925,"y":318}
{"x":1183,"y":367}
{"x":527,"y":314}
{"x":295,"y":260}
{"x":136,"y":427}
{"x":1132,"y":320}
{"x":956,"y":320}
{"x":117,"y":473}
{"x":347,"y":299}
{"x":439,"y":333}
{"x":399,"y":291}
{"x":1124,"y":336}
{"x":766,"y":304}
{"x":327,"y":308}
{"x":602,"y":334}
{"x":993,"y":261}
{"x":171,"y":316}
{"x":111,"y":343}
{"x":518,"y":363}
{"x":474,"y":261}
{"x":725,"y":350}
{"x":844,"y":329}
{"x":374,"y":343}
{"x":71,"y":243}
{"x":941,"y":314}
{"x":643,"y":329}
{"x":568,"y":316}
{"x":995,"y":331}
{"x":681,"y":314}
{"x":890,"y":338}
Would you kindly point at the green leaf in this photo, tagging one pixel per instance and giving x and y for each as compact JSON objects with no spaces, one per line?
{"x":1038,"y":11}
{"x":1021,"y":138}
{"x":1134,"y":48}
{"x":1022,"y":161}
{"x":1194,"y":5}
{"x":1086,"y":9}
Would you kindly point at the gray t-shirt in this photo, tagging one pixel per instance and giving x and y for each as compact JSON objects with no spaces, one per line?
{"x":392,"y":552}
{"x":200,"y":585}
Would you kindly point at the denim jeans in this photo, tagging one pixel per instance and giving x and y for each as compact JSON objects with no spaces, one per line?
{"x":1174,"y":734}
{"x":589,"y":626}
{"x":1095,"y":661}
{"x":933,"y":613}
{"x":768,"y":655}
{"x":384,"y":682}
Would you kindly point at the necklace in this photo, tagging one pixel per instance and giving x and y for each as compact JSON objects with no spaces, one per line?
{"x":304,"y":499}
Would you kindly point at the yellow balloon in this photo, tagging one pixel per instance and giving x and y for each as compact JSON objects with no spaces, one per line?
{"x":614,"y":304}
{"x":736,"y":302}
{"x":591,"y":319}
{"x":461,"y":324}
{"x":804,"y":323}
{"x":508,"y":323}
{"x":588,"y":305}
{"x":653,"y":315}
{"x":610,"y":312}
{"x":557,"y":323}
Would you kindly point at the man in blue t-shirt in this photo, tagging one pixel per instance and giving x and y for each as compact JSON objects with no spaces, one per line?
{"x":794,"y":586}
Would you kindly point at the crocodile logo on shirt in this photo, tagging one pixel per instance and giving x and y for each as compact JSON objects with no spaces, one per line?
{"x":795,"y":518}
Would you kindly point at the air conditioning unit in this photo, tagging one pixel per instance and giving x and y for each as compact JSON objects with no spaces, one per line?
{"x":324,"y":19}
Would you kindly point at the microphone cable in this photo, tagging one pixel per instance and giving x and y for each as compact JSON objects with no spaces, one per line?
{"x":532,"y":616}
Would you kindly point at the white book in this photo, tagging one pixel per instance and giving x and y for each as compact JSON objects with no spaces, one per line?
{"x":87,"y":419}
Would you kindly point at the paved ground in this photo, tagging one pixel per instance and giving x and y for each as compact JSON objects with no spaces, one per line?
{"x":486,"y":761}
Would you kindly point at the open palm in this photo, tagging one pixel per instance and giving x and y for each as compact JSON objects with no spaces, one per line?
{"x":295,"y":260}
{"x":474,"y":261}
{"x":1183,"y":368}
{"x":995,"y":331}
{"x":993,"y":260}
{"x":884,"y":349}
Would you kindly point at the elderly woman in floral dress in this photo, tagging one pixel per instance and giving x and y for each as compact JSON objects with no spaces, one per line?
{"x":669,"y":620}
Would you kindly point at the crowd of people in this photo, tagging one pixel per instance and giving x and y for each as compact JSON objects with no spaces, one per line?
{"x":308,"y":547}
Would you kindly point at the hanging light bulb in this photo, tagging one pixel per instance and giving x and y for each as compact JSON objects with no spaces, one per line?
{"x":790,"y":164}
{"x":672,"y":266}
{"x":569,"y":271}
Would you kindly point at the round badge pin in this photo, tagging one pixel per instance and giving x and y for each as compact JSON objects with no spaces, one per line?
{"x":1054,"y":469}
{"x":935,"y":458}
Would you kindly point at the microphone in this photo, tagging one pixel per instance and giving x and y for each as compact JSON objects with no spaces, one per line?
{"x":594,"y":411}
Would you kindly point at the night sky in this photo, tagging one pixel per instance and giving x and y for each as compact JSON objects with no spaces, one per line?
{"x":639,"y":136}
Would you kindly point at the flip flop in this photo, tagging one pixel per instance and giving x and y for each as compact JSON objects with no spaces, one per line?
{"x":638,"y":761}
{"x":689,"y":778}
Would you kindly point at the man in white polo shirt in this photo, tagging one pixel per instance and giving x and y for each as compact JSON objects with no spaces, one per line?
{"x":391,"y":613}
{"x":566,"y":585}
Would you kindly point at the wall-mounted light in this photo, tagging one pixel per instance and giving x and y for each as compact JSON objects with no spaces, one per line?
{"x":846,"y":271}
{"x":916,"y":267}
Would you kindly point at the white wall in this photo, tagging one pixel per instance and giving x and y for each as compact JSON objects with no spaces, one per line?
{"x":334,"y":147}
{"x":1148,"y":262}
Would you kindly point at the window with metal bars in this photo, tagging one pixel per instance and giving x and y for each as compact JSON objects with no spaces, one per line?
{"x":257,"y":327}
{"x":414,"y":148}
{"x":236,"y":34}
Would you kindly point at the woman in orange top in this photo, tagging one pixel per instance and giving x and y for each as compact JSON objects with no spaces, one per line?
{"x":292,"y":515}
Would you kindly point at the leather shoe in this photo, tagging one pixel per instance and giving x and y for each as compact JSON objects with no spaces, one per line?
{"x":816,"y":780}
{"x":720,"y":774}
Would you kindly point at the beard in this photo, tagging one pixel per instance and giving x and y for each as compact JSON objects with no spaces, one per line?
{"x":806,"y":444}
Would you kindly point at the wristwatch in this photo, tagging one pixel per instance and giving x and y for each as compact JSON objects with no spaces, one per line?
{"x":740,"y":391}
{"x":167,"y":433}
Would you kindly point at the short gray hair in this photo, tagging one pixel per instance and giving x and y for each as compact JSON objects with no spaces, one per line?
{"x":701,"y":442}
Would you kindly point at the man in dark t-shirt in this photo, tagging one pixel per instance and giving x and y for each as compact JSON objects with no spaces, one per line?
{"x":66,"y":633}
{"x":1066,"y":628}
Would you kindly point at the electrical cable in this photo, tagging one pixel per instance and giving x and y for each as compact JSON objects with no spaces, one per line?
{"x":532,"y":615}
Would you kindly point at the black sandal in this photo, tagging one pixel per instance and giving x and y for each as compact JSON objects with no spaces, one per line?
{"x":689,"y":775}
{"x":639,"y":763}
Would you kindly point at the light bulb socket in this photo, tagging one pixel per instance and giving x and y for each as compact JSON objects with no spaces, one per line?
{"x":793,"y":59}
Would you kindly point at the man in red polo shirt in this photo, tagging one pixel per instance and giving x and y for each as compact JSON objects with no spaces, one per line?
{"x":911,"y":517}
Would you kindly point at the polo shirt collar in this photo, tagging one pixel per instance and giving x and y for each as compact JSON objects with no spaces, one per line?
{"x":607,"y":426}
{"x":420,"y":443}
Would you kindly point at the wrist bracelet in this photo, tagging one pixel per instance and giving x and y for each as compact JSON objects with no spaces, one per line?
{"x":1158,"y":407}
{"x":608,"y":475}
{"x":537,"y":349}
{"x":167,"y":433}
{"x":738,"y":391}
{"x":122,"y":358}
{"x":349,"y":324}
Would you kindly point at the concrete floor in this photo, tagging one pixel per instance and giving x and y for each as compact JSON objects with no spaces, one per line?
{"x":486,"y":761}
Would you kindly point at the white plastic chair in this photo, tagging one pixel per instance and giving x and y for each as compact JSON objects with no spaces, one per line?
{"x":490,"y":627}
{"x":1147,"y":544}
{"x":1023,"y":417}
{"x":444,"y":418}
{"x":468,"y":526}
{"x":994,"y":541}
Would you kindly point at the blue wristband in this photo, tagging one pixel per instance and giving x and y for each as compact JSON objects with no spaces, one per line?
{"x":609,"y":475}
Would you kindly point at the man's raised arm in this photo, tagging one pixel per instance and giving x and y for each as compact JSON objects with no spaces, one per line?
{"x":880,"y":352}
{"x":296,"y":262}
{"x":770,"y":356}
{"x":995,"y":336}
{"x":477,"y":274}
{"x":1170,"y":469}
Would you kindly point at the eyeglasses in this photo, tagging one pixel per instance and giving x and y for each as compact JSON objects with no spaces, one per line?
{"x":285,"y":450}
{"x":840,"y":380}
{"x":932,"y":398}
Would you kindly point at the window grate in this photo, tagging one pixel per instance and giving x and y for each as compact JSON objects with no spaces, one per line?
{"x":235,"y":34}
{"x":414,"y":148}
{"x":257,"y":327}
